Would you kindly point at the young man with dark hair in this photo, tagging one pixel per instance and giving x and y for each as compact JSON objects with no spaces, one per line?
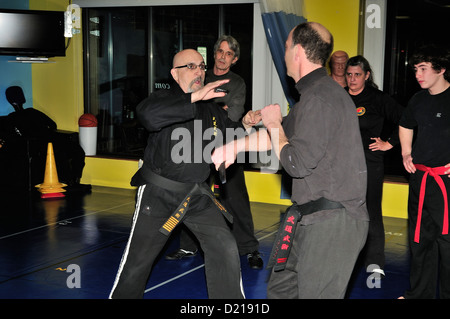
{"x":428,"y":161}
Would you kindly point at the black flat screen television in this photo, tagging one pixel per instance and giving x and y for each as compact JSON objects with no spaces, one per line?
{"x":32,"y":33}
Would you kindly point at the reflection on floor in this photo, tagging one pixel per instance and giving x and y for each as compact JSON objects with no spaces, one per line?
{"x":41,"y":240}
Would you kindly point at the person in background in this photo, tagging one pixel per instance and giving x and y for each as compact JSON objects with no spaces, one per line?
{"x":26,"y":133}
{"x":337,"y":63}
{"x":427,"y":159}
{"x":226,"y":54}
{"x":233,"y":194}
{"x":319,"y":145}
{"x":376,"y":111}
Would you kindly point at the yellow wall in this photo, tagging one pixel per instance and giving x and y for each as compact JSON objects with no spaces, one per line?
{"x":395,"y":200}
{"x":109,"y":172}
{"x":58,"y":87}
{"x":341,"y":17}
{"x":263,"y":188}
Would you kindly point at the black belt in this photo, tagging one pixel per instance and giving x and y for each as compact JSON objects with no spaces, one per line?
{"x":285,"y":236}
{"x":179,"y":187}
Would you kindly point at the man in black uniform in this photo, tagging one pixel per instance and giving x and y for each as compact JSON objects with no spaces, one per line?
{"x":233,"y":193}
{"x":424,"y":135}
{"x":172,"y":183}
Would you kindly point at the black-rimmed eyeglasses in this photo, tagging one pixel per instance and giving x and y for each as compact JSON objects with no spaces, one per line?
{"x":192,"y":66}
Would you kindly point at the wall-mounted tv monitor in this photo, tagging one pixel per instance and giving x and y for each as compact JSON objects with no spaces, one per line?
{"x":32,"y":33}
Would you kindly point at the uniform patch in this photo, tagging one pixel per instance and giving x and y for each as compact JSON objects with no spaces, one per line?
{"x":360,"y":111}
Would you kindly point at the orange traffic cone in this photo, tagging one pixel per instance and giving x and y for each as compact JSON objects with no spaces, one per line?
{"x":51,"y":187}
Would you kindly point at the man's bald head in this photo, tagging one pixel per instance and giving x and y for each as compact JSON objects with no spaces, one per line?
{"x":315,"y":39}
{"x":339,"y":55}
{"x":338,"y":61}
{"x":190,"y":80}
{"x":186,"y":56}
{"x":324,"y":34}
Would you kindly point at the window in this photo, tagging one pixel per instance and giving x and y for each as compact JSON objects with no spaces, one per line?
{"x":128,"y":54}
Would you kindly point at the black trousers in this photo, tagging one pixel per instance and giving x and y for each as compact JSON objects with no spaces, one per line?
{"x":234,"y":196}
{"x":321,"y":259}
{"x":373,"y":252}
{"x":154,"y":205}
{"x":430,"y":258}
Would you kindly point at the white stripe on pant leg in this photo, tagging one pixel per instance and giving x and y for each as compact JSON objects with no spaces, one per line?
{"x":125,"y":254}
{"x":242,"y":286}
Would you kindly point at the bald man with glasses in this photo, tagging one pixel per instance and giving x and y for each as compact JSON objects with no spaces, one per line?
{"x":233,"y":194}
{"x":172,"y":186}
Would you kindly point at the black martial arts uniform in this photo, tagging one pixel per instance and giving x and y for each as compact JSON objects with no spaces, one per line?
{"x":429,"y":240}
{"x":233,"y":194}
{"x":178,"y":150}
{"x":377,"y":113}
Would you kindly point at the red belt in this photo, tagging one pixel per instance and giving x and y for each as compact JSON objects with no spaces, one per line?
{"x":435,"y":172}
